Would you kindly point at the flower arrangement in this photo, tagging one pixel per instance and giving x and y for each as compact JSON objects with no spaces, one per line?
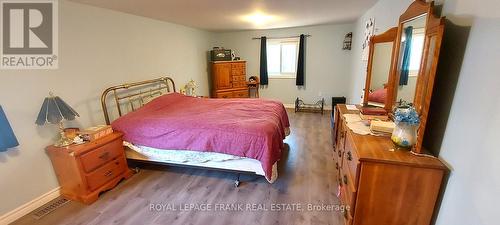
{"x":407,"y":114}
{"x":407,"y":120}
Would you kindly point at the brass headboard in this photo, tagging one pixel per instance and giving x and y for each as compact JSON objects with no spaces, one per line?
{"x":138,"y":92}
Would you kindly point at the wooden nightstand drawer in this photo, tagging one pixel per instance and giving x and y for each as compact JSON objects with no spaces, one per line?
{"x":106,"y":173}
{"x":100,"y":156}
{"x":85,"y":170}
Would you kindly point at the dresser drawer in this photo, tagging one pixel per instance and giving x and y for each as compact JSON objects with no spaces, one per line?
{"x":237,"y":70}
{"x":239,"y":78}
{"x":347,"y":218}
{"x":346,"y":202}
{"x":349,"y":189}
{"x":240,"y":94}
{"x":106,"y":173}
{"x":100,"y":156}
{"x":224,"y":94}
{"x":238,"y":65}
{"x":339,"y":147}
{"x":239,"y":84}
{"x":351,"y":159}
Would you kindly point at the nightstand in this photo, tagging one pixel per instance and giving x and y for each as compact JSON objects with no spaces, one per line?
{"x":85,"y":170}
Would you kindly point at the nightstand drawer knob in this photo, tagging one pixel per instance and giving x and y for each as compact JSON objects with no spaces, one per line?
{"x":104,"y":156}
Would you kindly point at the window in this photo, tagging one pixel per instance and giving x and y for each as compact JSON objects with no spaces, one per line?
{"x":282,"y":58}
{"x":417,"y":46}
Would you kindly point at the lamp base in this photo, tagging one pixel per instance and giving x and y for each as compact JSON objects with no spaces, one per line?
{"x":63,"y":140}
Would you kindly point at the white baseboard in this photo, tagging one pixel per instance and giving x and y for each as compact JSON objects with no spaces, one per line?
{"x":28,"y":207}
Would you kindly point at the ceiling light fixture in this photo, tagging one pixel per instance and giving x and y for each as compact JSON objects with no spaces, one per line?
{"x":258,"y":18}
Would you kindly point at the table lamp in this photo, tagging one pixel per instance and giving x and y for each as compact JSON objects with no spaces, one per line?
{"x":54,"y":111}
{"x":7,"y":137}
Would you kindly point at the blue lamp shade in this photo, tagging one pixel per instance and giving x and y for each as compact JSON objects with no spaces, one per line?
{"x":7,"y":137}
{"x":54,"y":110}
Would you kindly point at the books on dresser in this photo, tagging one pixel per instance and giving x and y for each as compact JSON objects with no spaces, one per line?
{"x":373,"y":113}
{"x":383,"y":127}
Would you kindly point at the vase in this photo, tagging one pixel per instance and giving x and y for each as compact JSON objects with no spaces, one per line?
{"x":405,"y":134}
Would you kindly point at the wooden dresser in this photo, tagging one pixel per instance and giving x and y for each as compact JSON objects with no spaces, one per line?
{"x":229,"y":79}
{"x":85,"y":170}
{"x":381,"y":186}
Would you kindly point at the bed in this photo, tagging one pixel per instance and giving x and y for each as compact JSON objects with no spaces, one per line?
{"x":160,"y":126}
{"x":378,"y":97}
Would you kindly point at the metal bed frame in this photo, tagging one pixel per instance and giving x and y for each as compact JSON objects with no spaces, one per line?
{"x":135,"y":95}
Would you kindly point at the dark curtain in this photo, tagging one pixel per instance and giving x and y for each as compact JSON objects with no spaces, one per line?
{"x":299,"y":81}
{"x":263,"y":61}
{"x":405,"y":67}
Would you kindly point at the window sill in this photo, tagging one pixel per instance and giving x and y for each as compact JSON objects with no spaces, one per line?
{"x":282,"y":77}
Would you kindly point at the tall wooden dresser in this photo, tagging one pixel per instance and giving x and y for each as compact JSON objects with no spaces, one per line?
{"x":383,"y":186}
{"x":229,"y":79}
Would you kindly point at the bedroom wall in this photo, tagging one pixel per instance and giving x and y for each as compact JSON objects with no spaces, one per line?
{"x":470,"y":140}
{"x":467,"y":115}
{"x":97,"y":48}
{"x":327,"y":65}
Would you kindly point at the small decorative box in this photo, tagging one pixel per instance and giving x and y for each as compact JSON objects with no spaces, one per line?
{"x":93,"y":133}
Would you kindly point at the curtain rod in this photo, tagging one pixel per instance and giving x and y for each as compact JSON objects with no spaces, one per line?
{"x":258,"y":38}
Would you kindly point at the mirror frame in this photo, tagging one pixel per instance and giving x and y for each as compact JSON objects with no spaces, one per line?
{"x":425,"y":82}
{"x":388,"y":36}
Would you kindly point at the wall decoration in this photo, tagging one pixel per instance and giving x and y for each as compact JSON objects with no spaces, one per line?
{"x":347,"y":41}
{"x":369,"y":29}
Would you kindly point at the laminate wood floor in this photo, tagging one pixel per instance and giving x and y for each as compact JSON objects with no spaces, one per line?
{"x":306,"y":176}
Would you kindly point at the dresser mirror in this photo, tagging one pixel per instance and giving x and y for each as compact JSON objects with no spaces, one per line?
{"x":380,"y":60}
{"x":410,"y":55}
{"x":418,"y":45}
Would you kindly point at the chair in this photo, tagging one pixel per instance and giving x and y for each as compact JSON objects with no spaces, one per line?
{"x":253,"y":87}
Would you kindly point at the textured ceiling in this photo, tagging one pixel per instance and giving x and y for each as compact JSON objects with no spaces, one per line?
{"x":227,"y":15}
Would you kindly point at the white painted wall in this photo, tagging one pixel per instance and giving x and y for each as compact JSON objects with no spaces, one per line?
{"x":98,"y":48}
{"x":469,"y":144}
{"x":327,"y":65}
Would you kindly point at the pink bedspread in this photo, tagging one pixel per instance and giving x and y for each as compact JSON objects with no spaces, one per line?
{"x":378,"y":95}
{"x":252,"y":128}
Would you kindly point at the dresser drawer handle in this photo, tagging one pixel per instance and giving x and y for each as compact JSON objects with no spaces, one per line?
{"x":349,"y":156}
{"x":340,"y":154}
{"x":109,"y":173}
{"x":345,"y":179}
{"x":104,"y":156}
{"x":336,"y":165}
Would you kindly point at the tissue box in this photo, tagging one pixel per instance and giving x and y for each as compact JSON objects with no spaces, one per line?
{"x":93,"y":133}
